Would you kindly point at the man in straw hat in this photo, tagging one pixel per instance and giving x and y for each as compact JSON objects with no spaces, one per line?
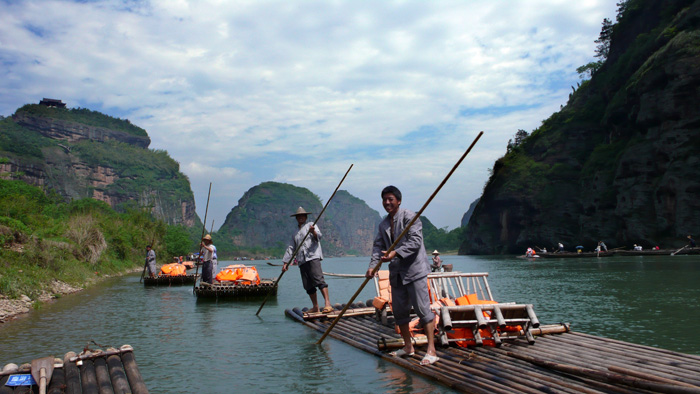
{"x":436,"y":266}
{"x":408,"y":272}
{"x":309,"y":259}
{"x":209,"y":259}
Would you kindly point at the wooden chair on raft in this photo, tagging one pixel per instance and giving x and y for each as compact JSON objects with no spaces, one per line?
{"x":467,"y":313}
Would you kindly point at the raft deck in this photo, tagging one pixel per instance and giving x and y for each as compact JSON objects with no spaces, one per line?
{"x":168,"y":280}
{"x":227,"y":290}
{"x":567,"y":362}
{"x":110,"y":371}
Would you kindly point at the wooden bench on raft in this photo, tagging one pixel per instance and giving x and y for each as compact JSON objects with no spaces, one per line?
{"x":468,"y":314}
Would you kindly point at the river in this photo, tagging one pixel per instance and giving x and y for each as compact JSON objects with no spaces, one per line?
{"x":185,"y":345}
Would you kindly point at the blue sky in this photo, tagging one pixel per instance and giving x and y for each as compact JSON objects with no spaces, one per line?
{"x":243,"y":92}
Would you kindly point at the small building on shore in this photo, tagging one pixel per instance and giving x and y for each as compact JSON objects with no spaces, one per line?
{"x":52,"y":103}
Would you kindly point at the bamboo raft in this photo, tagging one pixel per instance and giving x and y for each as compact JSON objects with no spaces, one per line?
{"x":109,"y":371}
{"x":168,"y":280}
{"x":564,"y":255}
{"x":561,"y":361}
{"x":647,"y":252}
{"x":229,"y":290}
{"x":502,"y":360}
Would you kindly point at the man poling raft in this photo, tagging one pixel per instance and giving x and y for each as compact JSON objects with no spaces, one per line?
{"x":295,"y":252}
{"x":308,"y":257}
{"x":387,"y":255}
{"x":408,"y":270}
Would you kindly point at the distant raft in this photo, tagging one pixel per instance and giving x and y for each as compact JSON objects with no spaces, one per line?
{"x":92,"y":371}
{"x":237,"y":281}
{"x":171,"y":275}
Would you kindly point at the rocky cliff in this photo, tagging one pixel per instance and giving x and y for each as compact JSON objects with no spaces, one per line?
{"x":261,"y":220}
{"x":84,"y":154}
{"x":74,"y":131}
{"x":618,"y":162}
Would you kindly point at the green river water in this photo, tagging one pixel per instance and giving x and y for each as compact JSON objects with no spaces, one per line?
{"x":185,"y":345}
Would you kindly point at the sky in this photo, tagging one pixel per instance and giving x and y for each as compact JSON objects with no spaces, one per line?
{"x":244,"y":92}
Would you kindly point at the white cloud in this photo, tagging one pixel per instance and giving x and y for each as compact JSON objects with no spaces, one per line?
{"x":248,"y":91}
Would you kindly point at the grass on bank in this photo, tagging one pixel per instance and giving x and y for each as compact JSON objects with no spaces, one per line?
{"x":44,"y":239}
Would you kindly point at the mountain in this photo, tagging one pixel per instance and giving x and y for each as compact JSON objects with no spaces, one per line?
{"x":261,"y":222}
{"x":79,"y":153}
{"x":618,"y":162}
{"x":468,"y":215}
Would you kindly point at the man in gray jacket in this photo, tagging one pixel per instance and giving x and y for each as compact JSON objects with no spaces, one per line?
{"x":151,"y":261}
{"x":408,"y":272}
{"x":309,"y":258}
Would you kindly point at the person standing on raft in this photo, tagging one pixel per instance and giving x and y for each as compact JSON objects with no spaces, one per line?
{"x":208,"y":259}
{"x":309,"y":259}
{"x":408,"y":272}
{"x":151,"y":261}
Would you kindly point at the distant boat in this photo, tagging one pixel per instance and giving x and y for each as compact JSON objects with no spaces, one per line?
{"x":564,"y":255}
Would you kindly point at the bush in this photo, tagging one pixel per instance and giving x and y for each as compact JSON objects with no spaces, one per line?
{"x":72,"y":242}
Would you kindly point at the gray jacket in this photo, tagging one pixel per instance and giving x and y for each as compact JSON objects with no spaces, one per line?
{"x":310,"y":250}
{"x":411,"y":262}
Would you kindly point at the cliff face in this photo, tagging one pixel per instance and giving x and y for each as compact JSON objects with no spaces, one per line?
{"x":352,"y":224}
{"x":262,"y":220}
{"x":618,"y":162}
{"x":86,"y":161}
{"x":73,"y":131}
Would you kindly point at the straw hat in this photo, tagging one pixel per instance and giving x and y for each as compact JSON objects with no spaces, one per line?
{"x":206,"y":238}
{"x":300,"y":211}
{"x":436,"y":252}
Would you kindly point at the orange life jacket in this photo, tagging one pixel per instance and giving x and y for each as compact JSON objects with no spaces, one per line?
{"x":173,"y":269}
{"x":240,"y":274}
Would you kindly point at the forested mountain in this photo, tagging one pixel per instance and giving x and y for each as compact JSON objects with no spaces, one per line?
{"x":79,"y":153}
{"x":260,"y":224}
{"x":618,"y":162}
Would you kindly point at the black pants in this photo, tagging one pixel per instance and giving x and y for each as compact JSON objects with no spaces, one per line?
{"x":207,"y":271}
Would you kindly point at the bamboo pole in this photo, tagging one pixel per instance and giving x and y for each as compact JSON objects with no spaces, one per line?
{"x":204,"y":228}
{"x":72,"y":374}
{"x":391,"y":248}
{"x":608,"y":376}
{"x":88,"y":378}
{"x":674,"y":253}
{"x":670,"y":365}
{"x":633,"y":352}
{"x":452,"y":367}
{"x":344,"y":275}
{"x":303,"y":240}
{"x":103,"y":380}
{"x":460,"y":381}
{"x":138,"y":386}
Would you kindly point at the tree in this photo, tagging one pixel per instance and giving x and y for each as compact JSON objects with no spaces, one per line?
{"x":177,"y":241}
{"x":621,"y":9}
{"x":603,"y":41}
{"x":518,"y":139}
{"x":587,"y":71}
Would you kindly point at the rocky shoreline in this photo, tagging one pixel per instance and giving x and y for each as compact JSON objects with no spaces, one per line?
{"x":12,"y":308}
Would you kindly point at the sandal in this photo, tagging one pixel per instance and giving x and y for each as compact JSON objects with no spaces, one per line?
{"x":401,"y":353}
{"x":429,"y":360}
{"x":327,"y":309}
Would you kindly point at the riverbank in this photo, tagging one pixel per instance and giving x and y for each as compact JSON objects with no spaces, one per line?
{"x":11,"y":308}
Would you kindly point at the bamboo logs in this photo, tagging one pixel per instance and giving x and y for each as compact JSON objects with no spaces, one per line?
{"x":104,"y":372}
{"x":602,"y":365}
